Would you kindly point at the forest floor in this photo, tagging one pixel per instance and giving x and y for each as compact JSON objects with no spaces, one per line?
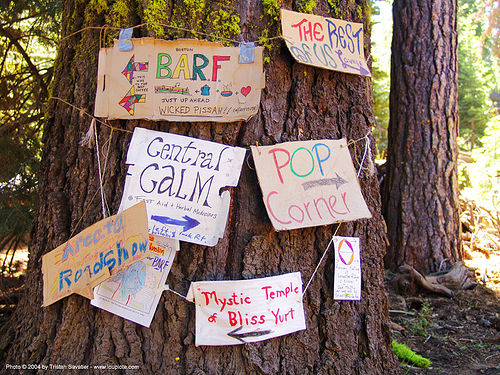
{"x":459,"y":335}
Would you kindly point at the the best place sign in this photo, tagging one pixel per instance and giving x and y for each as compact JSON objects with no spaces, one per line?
{"x":325,"y":42}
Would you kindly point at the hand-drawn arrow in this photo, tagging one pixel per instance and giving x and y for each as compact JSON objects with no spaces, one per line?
{"x":188,"y":222}
{"x":241,"y":336}
{"x":129,"y":100}
{"x":337,"y":181}
{"x":361,"y":70}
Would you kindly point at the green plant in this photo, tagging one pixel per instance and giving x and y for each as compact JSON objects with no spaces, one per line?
{"x":423,"y":321}
{"x":406,"y":355}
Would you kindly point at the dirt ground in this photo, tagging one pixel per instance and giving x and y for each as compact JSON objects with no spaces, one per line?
{"x":459,"y":335}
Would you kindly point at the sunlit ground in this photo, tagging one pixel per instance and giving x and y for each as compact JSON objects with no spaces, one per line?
{"x":19,"y":263}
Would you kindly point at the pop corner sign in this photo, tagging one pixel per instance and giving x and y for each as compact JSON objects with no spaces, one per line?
{"x":181,"y":80}
{"x":309,"y":183}
{"x":325,"y":42}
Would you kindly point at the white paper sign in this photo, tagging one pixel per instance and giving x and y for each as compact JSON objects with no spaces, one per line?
{"x":347,"y":279}
{"x":135,"y":292}
{"x":309,"y":183}
{"x":237,"y":312}
{"x":180,"y":179}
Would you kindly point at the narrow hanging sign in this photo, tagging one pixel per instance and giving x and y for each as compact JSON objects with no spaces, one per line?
{"x":181,"y":80}
{"x":347,"y":277}
{"x":309,"y":183}
{"x":326,"y":43}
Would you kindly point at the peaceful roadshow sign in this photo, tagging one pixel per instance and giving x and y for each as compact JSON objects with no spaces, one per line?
{"x":180,"y":179}
{"x":103,"y":249}
{"x":182,"y":80}
{"x":309,"y":183}
{"x":325,"y":42}
{"x":241,"y":311}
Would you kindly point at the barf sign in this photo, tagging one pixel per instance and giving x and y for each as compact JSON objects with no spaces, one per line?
{"x":309,"y":183}
{"x":182,"y":80}
{"x":237,"y":312}
{"x":101,"y":250}
{"x":180,"y":179}
{"x":325,"y":42}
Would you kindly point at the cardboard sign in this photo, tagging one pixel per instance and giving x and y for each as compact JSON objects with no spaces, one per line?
{"x":97,"y":252}
{"x":237,"y":312}
{"x":180,"y":179}
{"x":182,"y":80}
{"x":309,"y":183}
{"x":135,"y":292}
{"x":347,"y":278}
{"x":325,"y":42}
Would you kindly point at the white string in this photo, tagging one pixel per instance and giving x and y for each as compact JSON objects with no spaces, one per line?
{"x":166,"y":287}
{"x":367,"y":147}
{"x":320,"y":261}
{"x":99,"y":168}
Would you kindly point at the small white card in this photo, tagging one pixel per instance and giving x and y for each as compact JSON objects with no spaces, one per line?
{"x":347,"y":278}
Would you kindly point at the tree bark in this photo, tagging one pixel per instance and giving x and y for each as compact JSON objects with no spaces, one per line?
{"x":299,"y":103}
{"x":421,"y":205}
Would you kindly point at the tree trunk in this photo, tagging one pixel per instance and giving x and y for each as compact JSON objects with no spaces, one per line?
{"x":421,"y":205}
{"x":299,"y":103}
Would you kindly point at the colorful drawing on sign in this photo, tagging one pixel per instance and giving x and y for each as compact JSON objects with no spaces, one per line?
{"x":130,"y":281}
{"x":164,"y":89}
{"x":245,"y":90}
{"x":309,"y":183}
{"x":226,"y":92}
{"x":184,"y":80}
{"x":347,"y":277}
{"x":180,"y":178}
{"x":345,"y":252}
{"x":325,"y":42}
{"x":129,"y":100}
{"x":135,"y":292}
{"x":98,"y":252}
{"x":132,"y":67}
{"x":237,"y":312}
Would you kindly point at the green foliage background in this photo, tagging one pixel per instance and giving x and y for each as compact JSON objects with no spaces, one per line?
{"x":28,"y":37}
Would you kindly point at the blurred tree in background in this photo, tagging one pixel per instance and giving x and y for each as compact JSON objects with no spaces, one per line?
{"x":381,"y":67}
{"x":28,"y":37}
{"x":476,"y":76}
{"x":478,"y":59}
